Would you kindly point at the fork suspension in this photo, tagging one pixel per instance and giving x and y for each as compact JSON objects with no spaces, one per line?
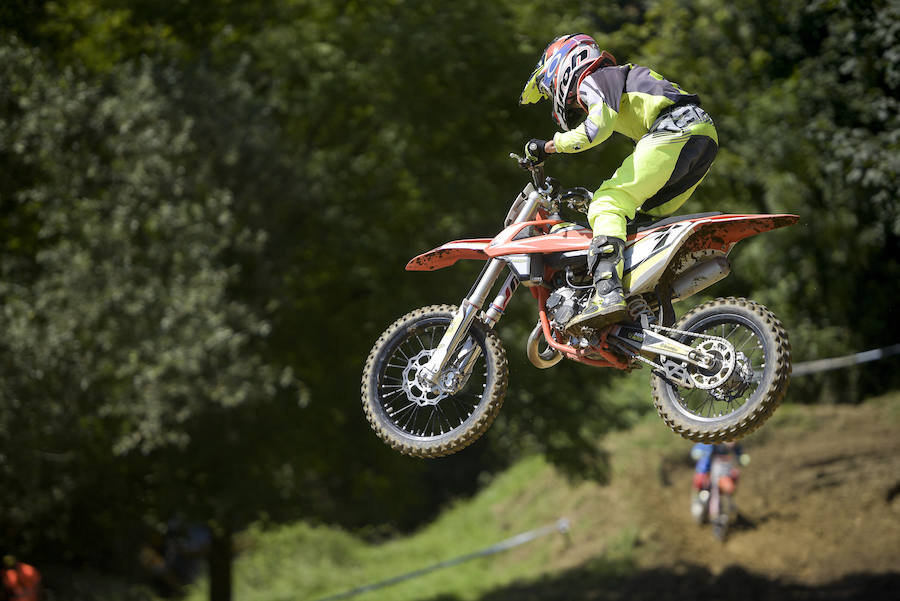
{"x":497,"y":308}
{"x":467,"y":313}
{"x":472,"y":304}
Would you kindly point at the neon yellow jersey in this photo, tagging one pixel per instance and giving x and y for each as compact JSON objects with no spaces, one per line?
{"x":625,"y":99}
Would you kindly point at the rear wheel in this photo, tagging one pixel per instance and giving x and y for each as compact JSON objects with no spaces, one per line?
{"x":736,"y":405}
{"x":720,"y":527}
{"x":424,"y":420}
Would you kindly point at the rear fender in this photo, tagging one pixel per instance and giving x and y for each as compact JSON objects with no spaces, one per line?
{"x":652,"y":252}
{"x":647,"y":256}
{"x":722,"y":232}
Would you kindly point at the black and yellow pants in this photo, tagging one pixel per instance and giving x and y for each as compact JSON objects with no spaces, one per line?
{"x":667,"y":165}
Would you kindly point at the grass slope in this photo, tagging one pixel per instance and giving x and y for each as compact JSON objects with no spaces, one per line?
{"x":819,"y":509}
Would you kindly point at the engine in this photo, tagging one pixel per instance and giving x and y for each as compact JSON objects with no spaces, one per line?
{"x":564,"y":303}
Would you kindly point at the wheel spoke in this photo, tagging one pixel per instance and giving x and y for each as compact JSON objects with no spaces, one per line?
{"x":402,"y":409}
{"x":422,"y":344}
{"x":440,"y":412}
{"x":409,"y":417}
{"x":750,"y":336}
{"x":463,"y":410}
{"x":427,"y":412}
{"x":388,"y":395}
{"x":427,"y":427}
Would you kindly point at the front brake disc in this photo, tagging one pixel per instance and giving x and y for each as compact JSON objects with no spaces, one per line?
{"x":417,"y":392}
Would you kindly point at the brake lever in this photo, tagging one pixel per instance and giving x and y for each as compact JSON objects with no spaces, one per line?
{"x":536,"y":169}
{"x":523,"y":162}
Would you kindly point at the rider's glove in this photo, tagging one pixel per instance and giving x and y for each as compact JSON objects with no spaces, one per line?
{"x":744,"y":459}
{"x":534,"y":151}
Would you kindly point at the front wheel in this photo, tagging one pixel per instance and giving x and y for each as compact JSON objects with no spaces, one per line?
{"x":745,"y":400}
{"x":425,"y":420}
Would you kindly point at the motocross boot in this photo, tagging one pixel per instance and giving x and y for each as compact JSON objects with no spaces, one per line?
{"x":607,"y":304}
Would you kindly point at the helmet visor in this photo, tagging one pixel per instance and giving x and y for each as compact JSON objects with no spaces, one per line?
{"x":534,"y":91}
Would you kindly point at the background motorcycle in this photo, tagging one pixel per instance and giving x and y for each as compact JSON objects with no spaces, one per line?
{"x":436,"y":378}
{"x":716,"y":503}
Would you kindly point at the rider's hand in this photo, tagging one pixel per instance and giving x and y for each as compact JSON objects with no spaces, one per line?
{"x":744,"y":459}
{"x":535,"y":152}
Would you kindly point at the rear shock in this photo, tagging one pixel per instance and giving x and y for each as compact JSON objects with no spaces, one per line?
{"x":638,"y":307}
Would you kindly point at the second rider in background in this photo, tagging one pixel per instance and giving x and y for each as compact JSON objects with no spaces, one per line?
{"x":704,"y":455}
{"x":676,"y":143}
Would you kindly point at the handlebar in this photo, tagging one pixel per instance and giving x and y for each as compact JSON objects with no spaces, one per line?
{"x":537,"y":170}
{"x":577,"y":198}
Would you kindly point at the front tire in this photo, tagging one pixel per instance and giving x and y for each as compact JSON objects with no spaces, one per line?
{"x":744,"y":403}
{"x":437,"y":421}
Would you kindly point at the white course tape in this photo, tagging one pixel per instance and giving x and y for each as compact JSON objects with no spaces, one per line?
{"x":561,"y":525}
{"x":813,"y":367}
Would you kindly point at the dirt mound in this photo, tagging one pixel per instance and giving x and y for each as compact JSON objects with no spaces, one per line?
{"x":819,"y":518}
{"x":820,"y":501}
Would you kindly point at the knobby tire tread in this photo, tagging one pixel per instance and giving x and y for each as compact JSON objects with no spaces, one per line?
{"x":458,"y":438}
{"x":726,"y":430}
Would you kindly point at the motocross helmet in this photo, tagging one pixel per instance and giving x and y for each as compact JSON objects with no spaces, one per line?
{"x":562,"y":66}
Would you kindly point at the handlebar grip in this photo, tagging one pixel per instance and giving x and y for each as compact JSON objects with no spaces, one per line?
{"x":537,"y":171}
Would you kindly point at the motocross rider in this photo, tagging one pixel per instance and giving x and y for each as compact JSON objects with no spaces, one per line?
{"x":676,"y":143}
{"x":704,"y":454}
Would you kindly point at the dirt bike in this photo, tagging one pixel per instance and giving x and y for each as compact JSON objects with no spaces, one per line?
{"x":436,"y":378}
{"x":715,"y":504}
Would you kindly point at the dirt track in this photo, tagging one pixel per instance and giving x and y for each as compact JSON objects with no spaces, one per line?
{"x":819,"y":501}
{"x":819,"y":509}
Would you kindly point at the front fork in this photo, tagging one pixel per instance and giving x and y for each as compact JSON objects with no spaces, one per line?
{"x":459,"y":327}
{"x":430,"y":373}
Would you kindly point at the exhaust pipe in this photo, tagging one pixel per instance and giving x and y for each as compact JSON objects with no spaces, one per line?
{"x":541,"y":359}
{"x":700,"y":276}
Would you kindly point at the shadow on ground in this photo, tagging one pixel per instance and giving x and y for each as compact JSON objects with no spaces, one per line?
{"x":688,"y":582}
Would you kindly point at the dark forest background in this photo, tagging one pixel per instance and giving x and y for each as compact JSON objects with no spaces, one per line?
{"x":206,"y":208}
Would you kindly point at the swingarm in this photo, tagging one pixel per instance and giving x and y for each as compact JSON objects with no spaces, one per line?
{"x":715,"y":358}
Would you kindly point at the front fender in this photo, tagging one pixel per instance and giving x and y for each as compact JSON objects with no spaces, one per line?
{"x":448,"y":254}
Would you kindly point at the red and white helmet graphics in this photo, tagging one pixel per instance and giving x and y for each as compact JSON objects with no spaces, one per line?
{"x":564,"y":62}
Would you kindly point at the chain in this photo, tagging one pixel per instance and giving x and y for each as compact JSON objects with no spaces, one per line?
{"x":657,"y":327}
{"x":632,"y":354}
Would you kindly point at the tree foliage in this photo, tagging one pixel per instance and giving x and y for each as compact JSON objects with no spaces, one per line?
{"x":206,"y":208}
